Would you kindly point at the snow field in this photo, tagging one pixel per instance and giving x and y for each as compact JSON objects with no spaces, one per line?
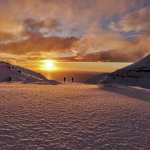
{"x":71,"y":116}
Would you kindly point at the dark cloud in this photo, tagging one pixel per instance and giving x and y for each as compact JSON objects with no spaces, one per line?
{"x":33,"y":26}
{"x":39,"y":44}
{"x":112,"y":56}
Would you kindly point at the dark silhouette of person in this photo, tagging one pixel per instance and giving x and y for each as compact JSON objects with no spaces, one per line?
{"x":64,"y":79}
{"x":72,"y":79}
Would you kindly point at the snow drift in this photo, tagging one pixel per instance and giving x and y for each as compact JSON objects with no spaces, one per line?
{"x":137,"y":74}
{"x":9,"y":72}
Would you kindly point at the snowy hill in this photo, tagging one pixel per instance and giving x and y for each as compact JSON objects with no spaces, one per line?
{"x":10,"y":72}
{"x":145,"y":62}
{"x":137,"y":74}
{"x":96,"y":79}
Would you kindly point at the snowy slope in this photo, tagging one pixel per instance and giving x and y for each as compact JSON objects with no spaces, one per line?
{"x":145,"y":62}
{"x":137,"y":74}
{"x":16,"y":73}
{"x":96,"y":79}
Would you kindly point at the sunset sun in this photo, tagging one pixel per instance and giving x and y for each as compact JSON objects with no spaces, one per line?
{"x":48,"y":65}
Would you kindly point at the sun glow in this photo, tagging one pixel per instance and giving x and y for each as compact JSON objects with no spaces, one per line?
{"x":48,"y":65}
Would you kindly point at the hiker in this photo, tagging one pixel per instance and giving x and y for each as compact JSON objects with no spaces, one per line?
{"x":72,"y":79}
{"x":64,"y":79}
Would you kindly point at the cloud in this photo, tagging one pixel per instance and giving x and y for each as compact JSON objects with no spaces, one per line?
{"x":71,"y":13}
{"x":41,"y":49}
{"x":98,"y":39}
{"x":32,"y":26}
{"x":37,"y":28}
{"x":96,"y":45}
{"x":129,"y":52}
{"x":11,"y":32}
{"x":137,"y":21}
{"x":111,"y":56}
{"x":38,"y":44}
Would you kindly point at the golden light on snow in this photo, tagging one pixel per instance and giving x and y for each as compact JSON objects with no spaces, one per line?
{"x":49,"y":65}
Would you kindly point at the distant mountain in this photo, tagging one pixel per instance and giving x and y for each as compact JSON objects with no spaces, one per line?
{"x":137,"y":74}
{"x":9,"y":72}
{"x":96,"y":79}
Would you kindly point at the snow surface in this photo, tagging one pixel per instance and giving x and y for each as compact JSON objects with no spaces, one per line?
{"x":21,"y":74}
{"x":73,"y":116}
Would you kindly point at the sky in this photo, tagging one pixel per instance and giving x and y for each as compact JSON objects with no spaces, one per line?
{"x":73,"y":31}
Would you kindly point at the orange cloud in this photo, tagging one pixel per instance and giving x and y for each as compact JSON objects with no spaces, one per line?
{"x":38,"y":44}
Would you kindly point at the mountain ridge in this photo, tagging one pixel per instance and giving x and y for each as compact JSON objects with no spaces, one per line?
{"x":137,"y":74}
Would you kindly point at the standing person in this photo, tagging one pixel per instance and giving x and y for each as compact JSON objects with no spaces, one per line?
{"x":64,"y":79}
{"x":72,"y":79}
